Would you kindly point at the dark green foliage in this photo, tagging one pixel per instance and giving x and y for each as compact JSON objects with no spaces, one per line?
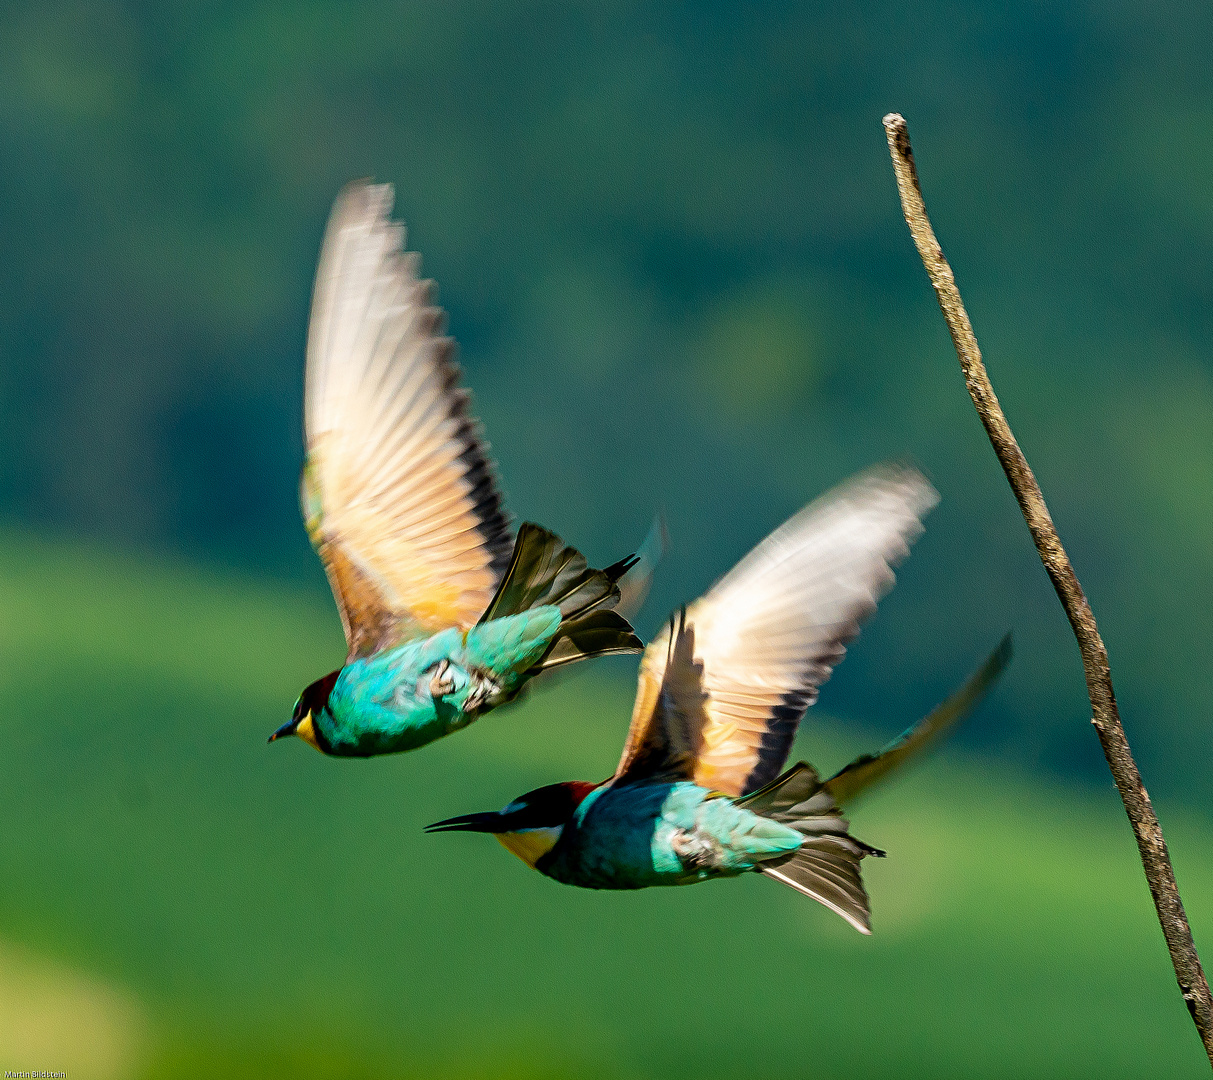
{"x":312,"y":1058}
{"x":669,"y":240}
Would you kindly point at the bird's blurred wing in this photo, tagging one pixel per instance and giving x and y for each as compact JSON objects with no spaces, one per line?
{"x":669,"y":715}
{"x":398,"y":492}
{"x":638,"y":578}
{"x":770,"y":632}
{"x":853,"y":780}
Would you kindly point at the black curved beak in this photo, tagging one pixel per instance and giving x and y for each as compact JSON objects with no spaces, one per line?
{"x":288,"y":728}
{"x":489,"y":823}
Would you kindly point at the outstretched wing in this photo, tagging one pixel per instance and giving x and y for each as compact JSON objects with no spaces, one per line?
{"x":674,"y":705}
{"x":769,"y":633}
{"x":846,"y":785}
{"x":398,"y":492}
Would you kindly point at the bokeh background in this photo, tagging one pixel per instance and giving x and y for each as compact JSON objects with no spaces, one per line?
{"x":669,"y":241}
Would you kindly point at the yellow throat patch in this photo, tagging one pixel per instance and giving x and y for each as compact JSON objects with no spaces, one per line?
{"x":531,"y":845}
{"x":307,"y":731}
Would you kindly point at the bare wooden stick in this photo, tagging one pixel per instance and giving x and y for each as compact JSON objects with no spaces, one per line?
{"x":1104,"y":713}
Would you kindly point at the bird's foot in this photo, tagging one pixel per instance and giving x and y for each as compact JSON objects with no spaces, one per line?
{"x":482,"y":689}
{"x":442,"y":682}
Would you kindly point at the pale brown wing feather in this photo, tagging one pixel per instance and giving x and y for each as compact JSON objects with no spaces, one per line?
{"x":770,"y":632}
{"x":399,"y":495}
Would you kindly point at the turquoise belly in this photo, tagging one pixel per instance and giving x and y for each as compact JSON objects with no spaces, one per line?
{"x":662,"y":834}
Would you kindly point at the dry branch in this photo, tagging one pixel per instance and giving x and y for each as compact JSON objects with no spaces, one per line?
{"x":1104,"y":714}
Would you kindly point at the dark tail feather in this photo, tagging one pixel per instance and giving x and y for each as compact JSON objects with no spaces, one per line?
{"x":600,"y":633}
{"x":826,"y":865}
{"x":788,"y":792}
{"x":827,"y":869}
{"x":545,"y":570}
{"x":850,"y":782}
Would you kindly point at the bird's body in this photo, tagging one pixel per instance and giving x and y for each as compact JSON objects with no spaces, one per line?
{"x":640,"y":835}
{"x":447,"y":613}
{"x":388,"y":702}
{"x":699,"y":793}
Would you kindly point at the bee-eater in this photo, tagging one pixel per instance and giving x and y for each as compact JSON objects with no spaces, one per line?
{"x":698,"y":793}
{"x":446,"y":613}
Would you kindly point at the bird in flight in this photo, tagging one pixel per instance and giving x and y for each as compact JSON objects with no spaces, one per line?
{"x":447,"y":614}
{"x":699,"y":792}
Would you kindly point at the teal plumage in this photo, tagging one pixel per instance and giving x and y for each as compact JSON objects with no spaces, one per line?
{"x":698,"y":793}
{"x":637,"y":836}
{"x":447,"y":614}
{"x":383,"y":704}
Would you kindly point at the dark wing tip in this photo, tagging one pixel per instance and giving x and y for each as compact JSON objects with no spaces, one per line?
{"x":852,"y":780}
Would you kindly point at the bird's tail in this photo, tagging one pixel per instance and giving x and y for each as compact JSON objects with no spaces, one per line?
{"x":826,"y":866}
{"x":546,"y":571}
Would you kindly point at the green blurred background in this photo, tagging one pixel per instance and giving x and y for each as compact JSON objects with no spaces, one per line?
{"x":669,"y":241}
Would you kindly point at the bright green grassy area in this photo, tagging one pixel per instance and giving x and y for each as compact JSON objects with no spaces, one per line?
{"x":281,"y":914}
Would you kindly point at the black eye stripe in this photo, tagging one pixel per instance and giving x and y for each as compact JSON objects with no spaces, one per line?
{"x":536,"y":817}
{"x":544,"y":807}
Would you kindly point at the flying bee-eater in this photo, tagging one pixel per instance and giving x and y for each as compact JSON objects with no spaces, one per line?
{"x":699,"y":792}
{"x":447,"y":614}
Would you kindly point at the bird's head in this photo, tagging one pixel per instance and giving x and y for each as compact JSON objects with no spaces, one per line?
{"x":307,"y":708}
{"x":531,"y":825}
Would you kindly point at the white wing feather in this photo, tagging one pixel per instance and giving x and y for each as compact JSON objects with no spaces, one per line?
{"x":771,"y":630}
{"x":400,"y":497}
